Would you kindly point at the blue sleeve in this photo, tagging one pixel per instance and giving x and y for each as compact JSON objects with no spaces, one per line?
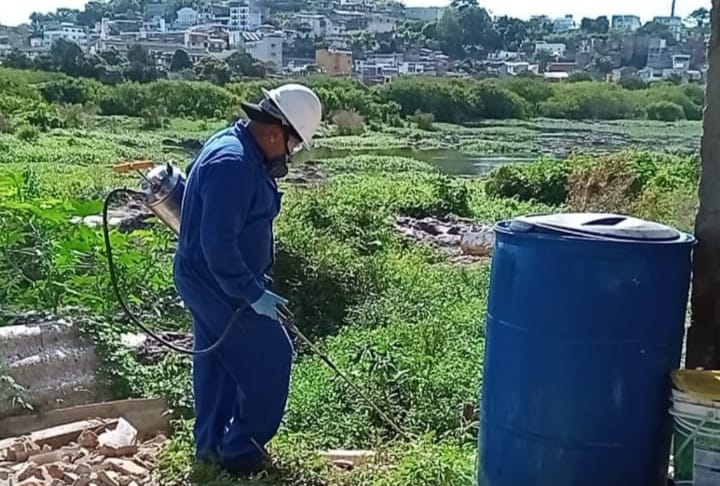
{"x":227,"y":190}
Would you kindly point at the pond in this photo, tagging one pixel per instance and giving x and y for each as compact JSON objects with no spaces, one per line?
{"x":453,"y":162}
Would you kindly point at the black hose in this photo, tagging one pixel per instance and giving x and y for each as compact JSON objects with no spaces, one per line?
{"x":123,"y":303}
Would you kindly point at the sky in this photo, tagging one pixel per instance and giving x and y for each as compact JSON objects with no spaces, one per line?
{"x":13,"y":12}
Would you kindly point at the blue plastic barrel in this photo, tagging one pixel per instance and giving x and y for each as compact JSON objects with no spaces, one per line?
{"x":585,"y":323}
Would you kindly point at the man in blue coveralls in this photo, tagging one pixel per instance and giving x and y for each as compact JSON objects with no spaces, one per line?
{"x":224,"y":251}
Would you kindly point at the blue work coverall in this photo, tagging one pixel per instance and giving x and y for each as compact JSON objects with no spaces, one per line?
{"x":225,"y":248}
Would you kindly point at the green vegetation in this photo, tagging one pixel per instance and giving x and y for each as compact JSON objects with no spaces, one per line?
{"x":448,"y":100}
{"x":400,"y":317}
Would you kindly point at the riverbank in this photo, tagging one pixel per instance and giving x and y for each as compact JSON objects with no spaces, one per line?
{"x":400,"y":316}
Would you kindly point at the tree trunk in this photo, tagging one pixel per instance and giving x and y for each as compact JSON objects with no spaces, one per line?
{"x":704,"y":334}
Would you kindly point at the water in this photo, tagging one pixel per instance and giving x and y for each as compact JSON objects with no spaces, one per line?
{"x":449,"y":161}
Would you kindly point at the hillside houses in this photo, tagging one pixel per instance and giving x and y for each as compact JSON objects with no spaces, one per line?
{"x":357,"y":37}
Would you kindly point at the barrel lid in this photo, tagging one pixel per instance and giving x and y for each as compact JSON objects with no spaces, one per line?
{"x":604,"y":225}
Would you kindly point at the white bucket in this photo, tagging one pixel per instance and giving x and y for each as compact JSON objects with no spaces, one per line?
{"x":696,"y":440}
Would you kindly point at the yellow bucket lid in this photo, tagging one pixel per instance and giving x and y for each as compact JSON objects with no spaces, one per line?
{"x":699,"y":384}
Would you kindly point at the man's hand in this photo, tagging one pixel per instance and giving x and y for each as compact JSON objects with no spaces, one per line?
{"x":267,"y":305}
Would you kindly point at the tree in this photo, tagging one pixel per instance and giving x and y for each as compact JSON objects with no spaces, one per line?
{"x":180,"y":61}
{"x":701,"y":16}
{"x":68,"y":57}
{"x":600,"y":25}
{"x":704,"y":334}
{"x":513,"y":32}
{"x":449,"y":33}
{"x":214,"y":70}
{"x":113,"y":57}
{"x":18,"y":60}
{"x":243,"y":64}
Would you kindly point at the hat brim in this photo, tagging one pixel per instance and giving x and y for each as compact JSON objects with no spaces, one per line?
{"x":255,"y":113}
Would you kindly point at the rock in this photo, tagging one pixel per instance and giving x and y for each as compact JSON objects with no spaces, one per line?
{"x":129,"y":468}
{"x":478,"y":243}
{"x":31,"y":482}
{"x":88,"y":439}
{"x":46,"y":457}
{"x":353,"y":457}
{"x":70,"y":478}
{"x":82,"y":470}
{"x":55,"y":470}
{"x":29,"y":470}
{"x":118,"y":451}
{"x":82,"y":481}
{"x":109,"y":478}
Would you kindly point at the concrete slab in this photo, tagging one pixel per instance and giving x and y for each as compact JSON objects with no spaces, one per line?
{"x":55,"y":365}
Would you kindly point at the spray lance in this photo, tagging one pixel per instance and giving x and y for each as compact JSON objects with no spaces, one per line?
{"x":161,"y":191}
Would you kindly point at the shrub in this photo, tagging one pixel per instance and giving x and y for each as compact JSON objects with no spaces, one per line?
{"x":542,"y":181}
{"x":589,"y":100}
{"x":489,"y":99}
{"x":579,"y":77}
{"x":632,"y":82}
{"x":348,"y":122}
{"x":70,"y":91}
{"x":424,"y":121}
{"x":28,"y":133}
{"x":602,"y":185}
{"x":665,"y":111}
{"x":155,"y":118}
{"x":6,"y":124}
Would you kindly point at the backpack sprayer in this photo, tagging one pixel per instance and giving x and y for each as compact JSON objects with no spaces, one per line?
{"x":161,"y":191}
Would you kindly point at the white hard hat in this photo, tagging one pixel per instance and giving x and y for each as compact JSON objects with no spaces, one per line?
{"x":301,"y":108}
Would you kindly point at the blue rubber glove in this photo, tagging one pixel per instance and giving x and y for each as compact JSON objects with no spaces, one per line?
{"x":267,"y":305}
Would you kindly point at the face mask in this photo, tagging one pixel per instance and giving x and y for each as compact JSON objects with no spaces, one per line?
{"x":278,"y":166}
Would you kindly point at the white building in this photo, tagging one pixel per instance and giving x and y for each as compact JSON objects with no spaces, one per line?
{"x":564,"y":24}
{"x":626,"y":22}
{"x":243,"y":17}
{"x":424,"y":14}
{"x":503,"y":56}
{"x":681,"y":62}
{"x":319,"y":24}
{"x":266,"y":48}
{"x":554,"y":49}
{"x":674,"y":24}
{"x":187,"y":17}
{"x":380,"y":23}
{"x":67,"y":31}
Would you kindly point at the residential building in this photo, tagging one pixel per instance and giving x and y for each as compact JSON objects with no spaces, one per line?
{"x":674,"y":24}
{"x":64,"y":30}
{"x":317,"y":24}
{"x":389,"y":62}
{"x":187,"y":17}
{"x":681,"y":62}
{"x":243,"y":17}
{"x":658,"y":54}
{"x":562,"y":67}
{"x":503,"y":56}
{"x":154,"y":24}
{"x":626,"y":22}
{"x":508,"y":69}
{"x":564,"y":24}
{"x":266,"y":48}
{"x":156,"y":9}
{"x":334,"y":62}
{"x":380,"y":23}
{"x":162,"y":52}
{"x":554,"y":49}
{"x":424,"y":14}
{"x":354,"y":21}
{"x":5,"y":45}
